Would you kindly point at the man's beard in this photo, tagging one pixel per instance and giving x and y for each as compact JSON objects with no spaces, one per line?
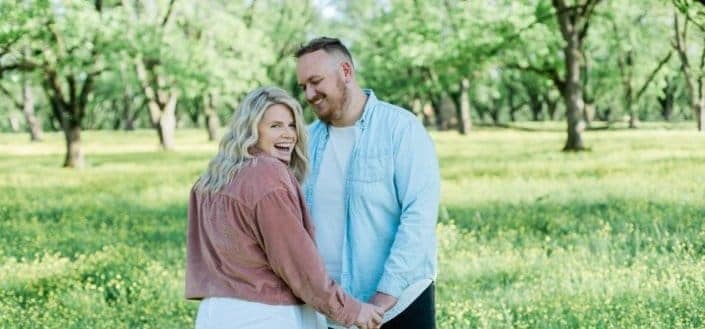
{"x":336,"y":107}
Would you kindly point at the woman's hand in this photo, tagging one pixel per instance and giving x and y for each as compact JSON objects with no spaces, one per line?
{"x":370,"y":316}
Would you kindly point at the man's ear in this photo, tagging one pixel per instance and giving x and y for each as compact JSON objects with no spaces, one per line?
{"x":348,"y":71}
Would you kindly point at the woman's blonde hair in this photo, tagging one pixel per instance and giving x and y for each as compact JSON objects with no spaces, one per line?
{"x":242,"y":134}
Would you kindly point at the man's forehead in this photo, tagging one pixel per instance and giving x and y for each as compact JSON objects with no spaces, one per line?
{"x":315,"y":59}
{"x":313,"y":64}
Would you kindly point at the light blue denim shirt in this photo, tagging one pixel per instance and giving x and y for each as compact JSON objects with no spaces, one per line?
{"x":392,"y":191}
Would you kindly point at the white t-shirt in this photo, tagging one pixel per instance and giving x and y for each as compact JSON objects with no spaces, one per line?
{"x":329,"y":210}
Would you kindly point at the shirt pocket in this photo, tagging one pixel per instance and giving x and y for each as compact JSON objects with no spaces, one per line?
{"x":369,"y":169}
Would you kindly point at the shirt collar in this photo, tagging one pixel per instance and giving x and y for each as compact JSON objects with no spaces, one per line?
{"x":367,"y":109}
{"x":256,"y":152}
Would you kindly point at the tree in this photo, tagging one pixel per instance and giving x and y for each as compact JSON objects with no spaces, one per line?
{"x":25,"y":103}
{"x":67,"y":41}
{"x":574,"y":23}
{"x":153,"y":57}
{"x":229,"y":54}
{"x":14,"y":55}
{"x":693,"y":75}
{"x":625,"y":56}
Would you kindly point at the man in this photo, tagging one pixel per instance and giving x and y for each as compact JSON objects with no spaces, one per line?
{"x":373,"y":189}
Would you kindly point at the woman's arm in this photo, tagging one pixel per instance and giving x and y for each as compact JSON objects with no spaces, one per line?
{"x":292,"y":254}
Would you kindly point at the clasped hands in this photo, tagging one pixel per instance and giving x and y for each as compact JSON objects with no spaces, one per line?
{"x":371,"y":313}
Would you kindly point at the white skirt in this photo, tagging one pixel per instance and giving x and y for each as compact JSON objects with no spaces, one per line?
{"x":233,"y":313}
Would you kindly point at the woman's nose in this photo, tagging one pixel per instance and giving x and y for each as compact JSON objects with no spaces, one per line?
{"x":289,"y":132}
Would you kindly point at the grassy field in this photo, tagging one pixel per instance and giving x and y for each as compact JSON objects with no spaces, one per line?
{"x":529,"y":237}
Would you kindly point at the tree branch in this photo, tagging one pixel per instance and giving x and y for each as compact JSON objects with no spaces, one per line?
{"x":24,"y":65}
{"x":653,"y":74}
{"x":83,"y":96}
{"x":5,"y":49}
{"x":505,"y":41}
{"x":249,"y":14}
{"x":586,"y":14}
{"x":169,"y":10}
{"x":9,"y":95}
{"x":683,"y":8}
{"x":550,"y":73}
{"x":680,"y":41}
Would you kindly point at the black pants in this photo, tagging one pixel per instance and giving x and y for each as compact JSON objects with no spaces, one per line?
{"x":421,"y":314}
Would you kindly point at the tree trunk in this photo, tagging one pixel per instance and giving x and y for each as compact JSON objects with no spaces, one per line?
{"x":513,"y":108}
{"x":436,"y":103}
{"x":572,"y":96}
{"x":450,"y":112}
{"x":535,"y":105}
{"x":117,"y":120}
{"x":494,"y":110}
{"x":588,"y":99}
{"x":465,"y":124}
{"x":551,"y":107}
{"x":666,"y":101}
{"x":69,"y":111}
{"x":33,"y":124}
{"x":429,"y":116}
{"x":699,"y":102}
{"x":417,"y":108}
{"x":161,"y":103}
{"x":212,"y":121}
{"x":74,"y":155}
{"x":573,"y":22}
{"x":129,"y":113}
{"x":700,"y":106}
{"x":629,"y":104}
{"x":626,"y":68}
{"x":166,"y":125}
{"x":14,"y":123}
{"x":696,"y":97}
{"x":588,"y":113}
{"x":633,"y":118}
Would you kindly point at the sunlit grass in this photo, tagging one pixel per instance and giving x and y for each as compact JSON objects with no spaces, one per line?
{"x":530,"y":237}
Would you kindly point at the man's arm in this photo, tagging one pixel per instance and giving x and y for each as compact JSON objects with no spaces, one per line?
{"x":417,"y":181}
{"x":386,"y":302}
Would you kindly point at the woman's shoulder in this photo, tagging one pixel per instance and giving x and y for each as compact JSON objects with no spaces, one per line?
{"x":266,"y":167}
{"x":259,"y":177}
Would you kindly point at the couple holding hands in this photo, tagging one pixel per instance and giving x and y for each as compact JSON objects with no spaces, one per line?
{"x":327,"y":228}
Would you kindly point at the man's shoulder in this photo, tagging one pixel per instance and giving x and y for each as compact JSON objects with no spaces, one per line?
{"x":388,"y":118}
{"x":393,"y":112}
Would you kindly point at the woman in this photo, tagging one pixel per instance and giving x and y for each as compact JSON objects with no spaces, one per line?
{"x":251,"y":256}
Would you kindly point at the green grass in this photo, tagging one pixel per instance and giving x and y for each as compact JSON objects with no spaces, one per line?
{"x":530,"y":237}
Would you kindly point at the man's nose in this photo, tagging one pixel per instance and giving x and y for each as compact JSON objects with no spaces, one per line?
{"x":310,"y":93}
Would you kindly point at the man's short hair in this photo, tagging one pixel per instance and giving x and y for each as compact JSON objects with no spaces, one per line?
{"x":329,"y":45}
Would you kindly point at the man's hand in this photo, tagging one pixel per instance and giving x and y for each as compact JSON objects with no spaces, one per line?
{"x":383,"y":300}
{"x":370,"y":317}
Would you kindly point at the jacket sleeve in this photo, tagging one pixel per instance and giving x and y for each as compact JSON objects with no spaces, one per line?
{"x":292,"y":254}
{"x":417,"y":181}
